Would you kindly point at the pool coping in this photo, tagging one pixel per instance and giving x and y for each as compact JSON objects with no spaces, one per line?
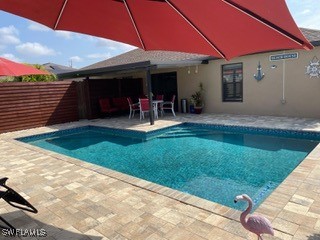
{"x":268,"y":207}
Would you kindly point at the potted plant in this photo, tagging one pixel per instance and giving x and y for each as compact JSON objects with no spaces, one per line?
{"x":197,"y":99}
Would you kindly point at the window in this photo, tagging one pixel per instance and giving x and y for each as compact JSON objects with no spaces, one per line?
{"x":232,"y":78}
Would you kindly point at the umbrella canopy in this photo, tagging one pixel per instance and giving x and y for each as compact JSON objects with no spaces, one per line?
{"x":10,"y":68}
{"x":220,"y":28}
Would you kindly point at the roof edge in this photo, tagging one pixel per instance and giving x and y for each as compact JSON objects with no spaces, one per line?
{"x":105,"y":70}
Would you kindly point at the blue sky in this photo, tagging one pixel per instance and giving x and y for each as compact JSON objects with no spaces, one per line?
{"x":26,"y":41}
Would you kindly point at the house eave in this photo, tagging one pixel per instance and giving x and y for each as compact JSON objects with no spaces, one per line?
{"x":139,"y":66}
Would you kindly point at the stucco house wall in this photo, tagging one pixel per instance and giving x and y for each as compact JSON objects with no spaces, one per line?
{"x":302,"y":93}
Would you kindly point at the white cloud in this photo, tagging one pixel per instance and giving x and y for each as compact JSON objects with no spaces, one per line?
{"x":65,"y":34}
{"x":101,"y":42}
{"x":306,"y":11}
{"x":311,"y":22}
{"x":33,"y":26}
{"x":113,"y":45}
{"x":35,"y":49}
{"x":99,"y":55}
{"x":11,"y":57}
{"x":76,"y":59}
{"x":9,"y":36}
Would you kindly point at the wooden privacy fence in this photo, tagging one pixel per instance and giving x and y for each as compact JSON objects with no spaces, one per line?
{"x":29,"y":105}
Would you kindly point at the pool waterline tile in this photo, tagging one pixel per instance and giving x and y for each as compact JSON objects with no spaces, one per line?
{"x":215,"y":119}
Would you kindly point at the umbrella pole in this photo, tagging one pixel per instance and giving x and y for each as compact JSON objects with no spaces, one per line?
{"x":149,"y":88}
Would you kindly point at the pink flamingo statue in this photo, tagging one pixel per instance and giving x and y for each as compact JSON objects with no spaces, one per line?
{"x":256,"y":224}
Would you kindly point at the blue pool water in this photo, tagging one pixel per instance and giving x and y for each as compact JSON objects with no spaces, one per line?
{"x":210,"y":161}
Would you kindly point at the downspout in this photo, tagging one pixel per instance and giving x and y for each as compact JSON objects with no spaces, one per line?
{"x":283,"y":101}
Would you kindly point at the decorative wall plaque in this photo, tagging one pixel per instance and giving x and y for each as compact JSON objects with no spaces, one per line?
{"x":313,"y":69}
{"x":259,"y":76}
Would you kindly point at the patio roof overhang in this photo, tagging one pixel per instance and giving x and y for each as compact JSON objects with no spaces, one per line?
{"x":144,"y":66}
{"x":131,"y":67}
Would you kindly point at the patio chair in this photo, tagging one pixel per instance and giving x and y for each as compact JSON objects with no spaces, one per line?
{"x":169,"y":105}
{"x":120,"y":103}
{"x":106,"y":107}
{"x":159,"y":97}
{"x":144,"y":107}
{"x":14,"y":199}
{"x":133,"y":107}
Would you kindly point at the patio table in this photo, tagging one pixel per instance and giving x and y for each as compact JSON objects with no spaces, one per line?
{"x":155,"y":107}
{"x":155,"y":104}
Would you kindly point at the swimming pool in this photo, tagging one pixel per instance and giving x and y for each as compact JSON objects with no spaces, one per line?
{"x":213,"y":162}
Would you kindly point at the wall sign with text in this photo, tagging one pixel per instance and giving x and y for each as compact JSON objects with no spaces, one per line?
{"x":283,"y":56}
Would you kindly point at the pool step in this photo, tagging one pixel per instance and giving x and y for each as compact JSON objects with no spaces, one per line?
{"x":192,"y":132}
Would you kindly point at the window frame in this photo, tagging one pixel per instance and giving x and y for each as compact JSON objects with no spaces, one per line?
{"x":235,"y":83}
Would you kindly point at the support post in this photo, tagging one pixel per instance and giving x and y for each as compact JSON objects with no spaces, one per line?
{"x":149,"y":89}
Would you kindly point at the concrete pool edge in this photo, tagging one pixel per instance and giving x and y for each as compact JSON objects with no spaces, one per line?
{"x":272,"y":206}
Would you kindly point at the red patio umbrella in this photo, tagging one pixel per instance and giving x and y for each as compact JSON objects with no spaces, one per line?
{"x":10,"y":68}
{"x":221,"y":28}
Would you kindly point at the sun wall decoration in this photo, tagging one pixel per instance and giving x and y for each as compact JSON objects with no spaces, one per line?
{"x":313,"y":69}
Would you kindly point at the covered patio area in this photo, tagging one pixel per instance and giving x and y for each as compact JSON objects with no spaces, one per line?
{"x":79,"y":200}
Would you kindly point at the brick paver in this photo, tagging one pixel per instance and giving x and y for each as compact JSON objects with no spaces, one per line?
{"x":78,"y":200}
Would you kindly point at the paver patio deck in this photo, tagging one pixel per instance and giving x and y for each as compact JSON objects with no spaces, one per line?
{"x":79,"y":200}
